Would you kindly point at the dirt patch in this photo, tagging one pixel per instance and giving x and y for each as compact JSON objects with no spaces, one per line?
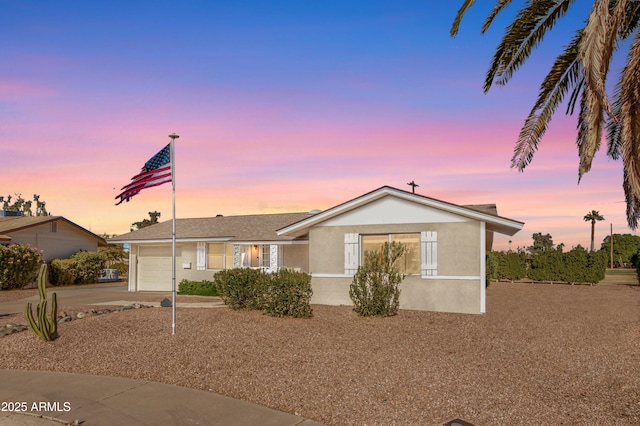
{"x":543,"y":354}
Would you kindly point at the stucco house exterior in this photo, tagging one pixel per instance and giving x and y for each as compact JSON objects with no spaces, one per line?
{"x":444,"y":263}
{"x":57,"y":237}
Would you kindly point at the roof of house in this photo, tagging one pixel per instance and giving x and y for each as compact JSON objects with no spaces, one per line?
{"x":247,"y":228}
{"x":289,"y":226}
{"x":481,"y":212}
{"x":9,"y":224}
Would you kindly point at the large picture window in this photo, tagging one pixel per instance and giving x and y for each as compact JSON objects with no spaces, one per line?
{"x":219,"y":255}
{"x":409,"y":263}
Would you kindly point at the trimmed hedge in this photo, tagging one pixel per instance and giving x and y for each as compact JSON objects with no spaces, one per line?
{"x":19,"y":265}
{"x":63,"y":272}
{"x":289,"y":294}
{"x":575,"y":266}
{"x":197,"y":288}
{"x":89,"y":266}
{"x":84,"y":267}
{"x":285,"y":293}
{"x":241,"y":288}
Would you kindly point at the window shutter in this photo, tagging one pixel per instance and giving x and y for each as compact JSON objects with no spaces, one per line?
{"x":273,"y":258}
{"x":429,"y":253}
{"x":236,"y":256}
{"x":351,"y":253}
{"x":201,"y":257}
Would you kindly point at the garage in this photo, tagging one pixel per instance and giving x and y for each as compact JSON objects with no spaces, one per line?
{"x":154,"y":268}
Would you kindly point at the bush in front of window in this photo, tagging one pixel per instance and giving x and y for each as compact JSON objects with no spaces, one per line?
{"x":375,"y":290}
{"x":288,"y":294}
{"x":197,"y":288}
{"x":241,"y":288}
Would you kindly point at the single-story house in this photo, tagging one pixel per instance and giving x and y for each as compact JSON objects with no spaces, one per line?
{"x":57,"y":237}
{"x":444,"y":263}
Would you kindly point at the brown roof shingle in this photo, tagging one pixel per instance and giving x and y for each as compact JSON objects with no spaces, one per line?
{"x":258,"y":227}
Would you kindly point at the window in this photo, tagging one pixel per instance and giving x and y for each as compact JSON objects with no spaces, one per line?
{"x":54,"y":226}
{"x":265,"y":262}
{"x":409,"y":263}
{"x":219,"y":256}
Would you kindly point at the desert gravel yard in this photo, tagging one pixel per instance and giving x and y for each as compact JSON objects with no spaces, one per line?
{"x":543,"y":354}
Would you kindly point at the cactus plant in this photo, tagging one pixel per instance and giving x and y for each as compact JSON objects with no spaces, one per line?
{"x":44,"y":325}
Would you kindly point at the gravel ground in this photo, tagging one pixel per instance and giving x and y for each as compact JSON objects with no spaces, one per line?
{"x":543,"y":354}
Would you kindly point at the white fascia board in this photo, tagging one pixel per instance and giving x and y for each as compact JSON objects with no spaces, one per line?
{"x":332,"y":212}
{"x":178,"y":240}
{"x":278,"y":242}
{"x":497,"y":223}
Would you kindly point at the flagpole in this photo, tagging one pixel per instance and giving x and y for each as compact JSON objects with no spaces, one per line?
{"x":173,"y":137}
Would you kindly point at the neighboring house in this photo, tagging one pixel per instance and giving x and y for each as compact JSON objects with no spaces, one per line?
{"x":57,"y":237}
{"x":444,"y":263}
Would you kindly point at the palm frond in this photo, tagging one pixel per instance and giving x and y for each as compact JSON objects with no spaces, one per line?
{"x":630,"y":132}
{"x":564,"y":74}
{"x":590,"y":123}
{"x":630,"y":20}
{"x":614,"y":148}
{"x":596,"y":50}
{"x":575,"y":95}
{"x":500,"y":4}
{"x":522,"y":36}
{"x":628,"y":26}
{"x":456,"y":22}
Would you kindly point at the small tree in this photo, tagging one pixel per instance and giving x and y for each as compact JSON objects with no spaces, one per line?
{"x":153,"y":219}
{"x":374,"y":290}
{"x":593,"y":217}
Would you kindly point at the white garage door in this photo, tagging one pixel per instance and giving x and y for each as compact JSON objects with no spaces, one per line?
{"x":154,"y":269}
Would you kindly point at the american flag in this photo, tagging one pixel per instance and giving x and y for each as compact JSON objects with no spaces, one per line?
{"x":155,"y":172}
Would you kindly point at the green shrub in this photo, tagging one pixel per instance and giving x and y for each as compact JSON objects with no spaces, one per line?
{"x":241,"y":288}
{"x":596,"y":266}
{"x":491,"y":266}
{"x":576,"y":261}
{"x":288,"y":294}
{"x":547,"y":266}
{"x":197,"y":288}
{"x":122,"y":267}
{"x":63,"y":272}
{"x":90,"y":266}
{"x":374,"y":290}
{"x":18,"y":265}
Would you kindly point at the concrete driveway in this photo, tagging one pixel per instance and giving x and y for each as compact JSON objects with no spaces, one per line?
{"x":99,"y":294}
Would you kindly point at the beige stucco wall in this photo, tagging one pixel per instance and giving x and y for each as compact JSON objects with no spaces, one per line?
{"x":295,"y":256}
{"x":456,"y":288}
{"x":458,"y":245}
{"x":61,"y":244}
{"x":460,"y":296}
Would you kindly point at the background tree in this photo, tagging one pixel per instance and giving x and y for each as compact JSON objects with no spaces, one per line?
{"x":153,"y":218}
{"x":592,"y":217}
{"x":24,"y":206}
{"x":624,"y":247}
{"x":581,"y":70}
{"x":541,"y":243}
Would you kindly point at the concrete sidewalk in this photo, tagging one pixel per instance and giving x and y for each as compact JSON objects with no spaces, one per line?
{"x":46,"y":398}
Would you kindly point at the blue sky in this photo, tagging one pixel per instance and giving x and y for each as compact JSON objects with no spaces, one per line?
{"x":282,"y":106}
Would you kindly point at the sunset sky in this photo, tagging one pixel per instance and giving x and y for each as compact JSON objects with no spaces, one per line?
{"x":281,"y":106}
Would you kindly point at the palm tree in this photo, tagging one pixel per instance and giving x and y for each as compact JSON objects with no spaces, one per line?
{"x":593,"y":217}
{"x":580,"y":70}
